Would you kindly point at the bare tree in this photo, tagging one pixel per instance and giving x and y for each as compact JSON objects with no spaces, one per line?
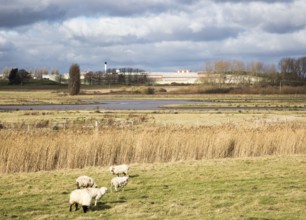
{"x":5,"y":72}
{"x":301,"y":63}
{"x":221,"y":68}
{"x":54,"y":72}
{"x":237,"y":67}
{"x":255,"y":68}
{"x":209,"y":67}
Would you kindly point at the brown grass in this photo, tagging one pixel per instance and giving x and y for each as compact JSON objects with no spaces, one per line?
{"x":234,"y":89}
{"x":44,"y":149}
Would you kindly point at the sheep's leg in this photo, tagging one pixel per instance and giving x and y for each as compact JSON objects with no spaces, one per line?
{"x":97,"y":198}
{"x":70,"y":208}
{"x":85,"y":208}
{"x":76,"y":206}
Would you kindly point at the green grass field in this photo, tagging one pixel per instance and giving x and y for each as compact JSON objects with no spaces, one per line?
{"x":244,"y":188}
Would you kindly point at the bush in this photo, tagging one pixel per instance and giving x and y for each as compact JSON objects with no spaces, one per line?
{"x":145,"y":90}
{"x":42,"y":124}
{"x":162,"y":90}
{"x":218,"y":90}
{"x":150,"y":90}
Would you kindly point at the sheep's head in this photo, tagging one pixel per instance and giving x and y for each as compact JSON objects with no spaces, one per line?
{"x":111,"y":169}
{"x":103,"y":190}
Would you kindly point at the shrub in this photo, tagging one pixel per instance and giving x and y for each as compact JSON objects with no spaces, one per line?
{"x":218,"y":90}
{"x":42,"y":124}
{"x":162,"y":90}
{"x":150,"y":90}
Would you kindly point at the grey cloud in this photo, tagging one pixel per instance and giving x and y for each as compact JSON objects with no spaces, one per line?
{"x":282,"y":28}
{"x":6,"y":46}
{"x":123,"y":8}
{"x":10,"y":18}
{"x":18,"y":13}
{"x":210,"y":33}
{"x":111,"y":8}
{"x":248,"y":1}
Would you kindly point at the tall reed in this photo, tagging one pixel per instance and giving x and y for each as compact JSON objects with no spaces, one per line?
{"x":25,"y":151}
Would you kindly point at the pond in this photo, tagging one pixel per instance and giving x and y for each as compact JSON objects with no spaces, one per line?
{"x":105,"y":104}
{"x":135,"y":105}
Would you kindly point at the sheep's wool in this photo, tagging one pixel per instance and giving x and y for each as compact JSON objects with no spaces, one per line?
{"x":80,"y":196}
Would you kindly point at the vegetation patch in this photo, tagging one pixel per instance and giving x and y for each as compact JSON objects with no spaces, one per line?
{"x":77,"y":147}
{"x":253,"y":188}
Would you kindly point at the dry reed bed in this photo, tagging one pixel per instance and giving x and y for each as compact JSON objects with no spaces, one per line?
{"x":22,"y":151}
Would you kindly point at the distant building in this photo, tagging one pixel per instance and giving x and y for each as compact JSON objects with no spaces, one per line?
{"x":180,"y":77}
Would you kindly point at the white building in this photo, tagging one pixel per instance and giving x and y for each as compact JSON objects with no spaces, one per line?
{"x":180,"y":76}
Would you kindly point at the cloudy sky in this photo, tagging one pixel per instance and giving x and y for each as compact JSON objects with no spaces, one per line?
{"x":156,"y":35}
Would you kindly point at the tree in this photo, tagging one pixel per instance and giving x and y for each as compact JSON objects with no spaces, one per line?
{"x":222,"y":67}
{"x":88,"y":78}
{"x":237,"y":67}
{"x":301,"y":66}
{"x":74,"y":82}
{"x":5,"y":72}
{"x":293,"y":70}
{"x":256,"y":68}
{"x":18,"y":77}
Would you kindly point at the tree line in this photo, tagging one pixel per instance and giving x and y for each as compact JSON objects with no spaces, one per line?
{"x":291,"y":71}
{"x":121,"y":76}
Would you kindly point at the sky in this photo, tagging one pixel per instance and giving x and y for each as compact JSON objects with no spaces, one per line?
{"x":155,"y":35}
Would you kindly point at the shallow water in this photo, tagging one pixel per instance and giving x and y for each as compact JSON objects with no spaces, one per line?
{"x":105,"y":104}
{"x":131,"y":105}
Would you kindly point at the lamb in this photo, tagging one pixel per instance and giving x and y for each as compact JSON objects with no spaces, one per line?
{"x":117,"y":182}
{"x":85,"y":181}
{"x":82,"y":197}
{"x":118,"y":169}
{"x":97,"y":193}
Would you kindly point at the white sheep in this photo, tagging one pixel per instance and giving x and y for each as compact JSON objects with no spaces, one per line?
{"x":85,"y":181}
{"x":97,"y":193}
{"x":117,"y":182}
{"x":82,"y":197}
{"x":118,"y":169}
